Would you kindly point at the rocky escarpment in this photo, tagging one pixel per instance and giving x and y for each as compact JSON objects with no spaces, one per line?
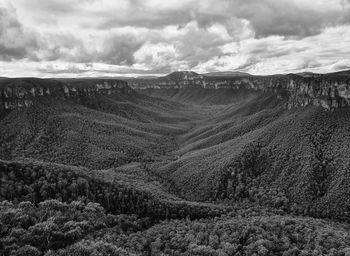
{"x":329,"y":90}
{"x":17,"y":93}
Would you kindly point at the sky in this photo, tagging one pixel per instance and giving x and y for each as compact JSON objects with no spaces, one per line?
{"x":82,"y":38}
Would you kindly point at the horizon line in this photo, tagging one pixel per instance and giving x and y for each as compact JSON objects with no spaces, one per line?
{"x":130,"y":75}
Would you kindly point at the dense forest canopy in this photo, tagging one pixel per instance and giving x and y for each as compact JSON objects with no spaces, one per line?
{"x":174,"y":172}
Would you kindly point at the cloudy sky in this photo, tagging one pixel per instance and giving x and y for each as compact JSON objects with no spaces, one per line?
{"x":68,"y":38}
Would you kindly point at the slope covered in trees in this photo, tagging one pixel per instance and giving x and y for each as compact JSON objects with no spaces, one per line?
{"x":103,"y":132}
{"x":174,"y":172}
{"x":36,"y":182}
{"x":302,"y":153}
{"x":78,"y":228}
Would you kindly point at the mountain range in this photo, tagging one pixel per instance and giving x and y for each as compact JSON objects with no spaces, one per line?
{"x":254,"y":165}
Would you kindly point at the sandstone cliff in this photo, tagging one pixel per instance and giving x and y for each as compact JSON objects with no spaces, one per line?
{"x":329,"y":90}
{"x":17,"y":93}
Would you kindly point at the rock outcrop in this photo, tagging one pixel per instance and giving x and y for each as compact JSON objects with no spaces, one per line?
{"x":17,"y":93}
{"x":328,"y":90}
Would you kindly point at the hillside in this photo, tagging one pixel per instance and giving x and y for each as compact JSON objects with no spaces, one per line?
{"x":206,"y":143}
{"x":104,"y":131}
{"x":269,"y":153}
{"x":186,"y":170}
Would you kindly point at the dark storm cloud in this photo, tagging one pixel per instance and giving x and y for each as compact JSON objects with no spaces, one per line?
{"x":119,"y":49}
{"x":160,"y":36}
{"x":267,"y":17}
{"x":148,"y":19}
{"x":63,"y":46}
{"x":115,"y":49}
{"x":196,"y":46}
{"x":8,"y":53}
{"x":15,"y":43}
{"x":153,"y":19}
{"x":286,"y":18}
{"x":57,"y":7}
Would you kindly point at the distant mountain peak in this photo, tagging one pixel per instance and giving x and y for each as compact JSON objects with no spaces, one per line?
{"x":226,"y":74}
{"x":183,"y":75}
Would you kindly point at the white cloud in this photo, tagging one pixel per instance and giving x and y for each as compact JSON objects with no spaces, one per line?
{"x":145,"y":36}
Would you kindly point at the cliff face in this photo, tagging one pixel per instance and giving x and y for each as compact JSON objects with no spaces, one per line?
{"x":19,"y":93}
{"x":329,"y":91}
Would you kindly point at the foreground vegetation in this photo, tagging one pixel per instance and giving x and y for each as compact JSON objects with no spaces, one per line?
{"x":37,"y":182}
{"x":78,"y":228}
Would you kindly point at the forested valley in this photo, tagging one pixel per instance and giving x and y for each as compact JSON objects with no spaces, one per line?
{"x":169,"y":172}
